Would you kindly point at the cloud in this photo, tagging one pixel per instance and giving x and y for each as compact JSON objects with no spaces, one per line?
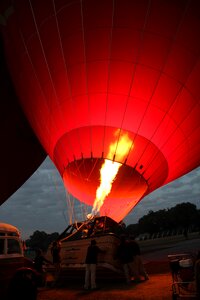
{"x":41,"y":203}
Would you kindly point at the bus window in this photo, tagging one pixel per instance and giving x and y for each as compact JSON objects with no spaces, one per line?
{"x":1,"y":246}
{"x":13,"y":247}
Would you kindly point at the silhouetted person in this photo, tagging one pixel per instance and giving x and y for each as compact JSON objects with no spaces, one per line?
{"x":137,"y":267}
{"x":125,"y":257}
{"x":39,"y":263}
{"x":91,"y":264}
{"x":55,"y":252}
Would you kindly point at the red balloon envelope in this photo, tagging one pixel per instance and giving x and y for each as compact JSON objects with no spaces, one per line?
{"x":88,"y":73}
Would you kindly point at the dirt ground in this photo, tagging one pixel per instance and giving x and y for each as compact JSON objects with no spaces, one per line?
{"x":156,"y":288}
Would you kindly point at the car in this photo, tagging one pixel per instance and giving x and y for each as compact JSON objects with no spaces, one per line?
{"x":16,"y":270}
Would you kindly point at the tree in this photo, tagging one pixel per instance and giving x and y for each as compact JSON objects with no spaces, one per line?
{"x":183,"y":216}
{"x":41,"y":239}
{"x":186,"y":214}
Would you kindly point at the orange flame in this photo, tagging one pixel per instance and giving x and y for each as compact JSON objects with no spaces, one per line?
{"x":110,"y":169}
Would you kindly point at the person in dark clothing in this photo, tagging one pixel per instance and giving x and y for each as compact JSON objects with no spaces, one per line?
{"x":55,"y":252}
{"x":91,"y":264}
{"x":136,"y":266}
{"x":39,"y":262}
{"x":125,"y":257}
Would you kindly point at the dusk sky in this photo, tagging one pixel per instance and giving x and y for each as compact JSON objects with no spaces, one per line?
{"x":41,"y":203}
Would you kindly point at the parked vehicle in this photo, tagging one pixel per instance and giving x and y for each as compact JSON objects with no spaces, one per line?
{"x":15,"y":269}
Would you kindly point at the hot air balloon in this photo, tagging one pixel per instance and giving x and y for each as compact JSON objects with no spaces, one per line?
{"x":20,"y":152}
{"x":109,"y":85}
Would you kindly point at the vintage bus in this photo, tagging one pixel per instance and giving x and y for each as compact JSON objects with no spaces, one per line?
{"x":13,"y":264}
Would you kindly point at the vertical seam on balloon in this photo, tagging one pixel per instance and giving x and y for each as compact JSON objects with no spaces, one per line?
{"x":65,"y":66}
{"x":196,"y":104}
{"x":178,"y":127}
{"x":86,"y":73}
{"x":37,"y":30}
{"x":46,"y":62}
{"x":40,"y":87}
{"x":161,"y":72}
{"x":69,"y":86}
{"x":36,"y":78}
{"x":86,"y":77}
{"x":108,"y":80}
{"x":133,"y":76}
{"x":167,"y":112}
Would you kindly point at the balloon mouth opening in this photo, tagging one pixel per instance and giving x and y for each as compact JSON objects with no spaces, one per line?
{"x":82,"y":178}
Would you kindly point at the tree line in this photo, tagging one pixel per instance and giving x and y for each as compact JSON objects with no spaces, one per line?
{"x":182,"y":217}
{"x":41,"y":240}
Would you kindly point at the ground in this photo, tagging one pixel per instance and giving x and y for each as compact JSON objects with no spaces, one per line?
{"x":156,"y":288}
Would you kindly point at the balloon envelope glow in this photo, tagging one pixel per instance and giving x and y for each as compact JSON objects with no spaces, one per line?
{"x":85,"y":69}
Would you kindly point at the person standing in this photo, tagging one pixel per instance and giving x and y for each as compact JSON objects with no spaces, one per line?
{"x":124,"y":255}
{"x":91,"y":264}
{"x":55,"y":252}
{"x":137,"y":267}
{"x":39,"y":263}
